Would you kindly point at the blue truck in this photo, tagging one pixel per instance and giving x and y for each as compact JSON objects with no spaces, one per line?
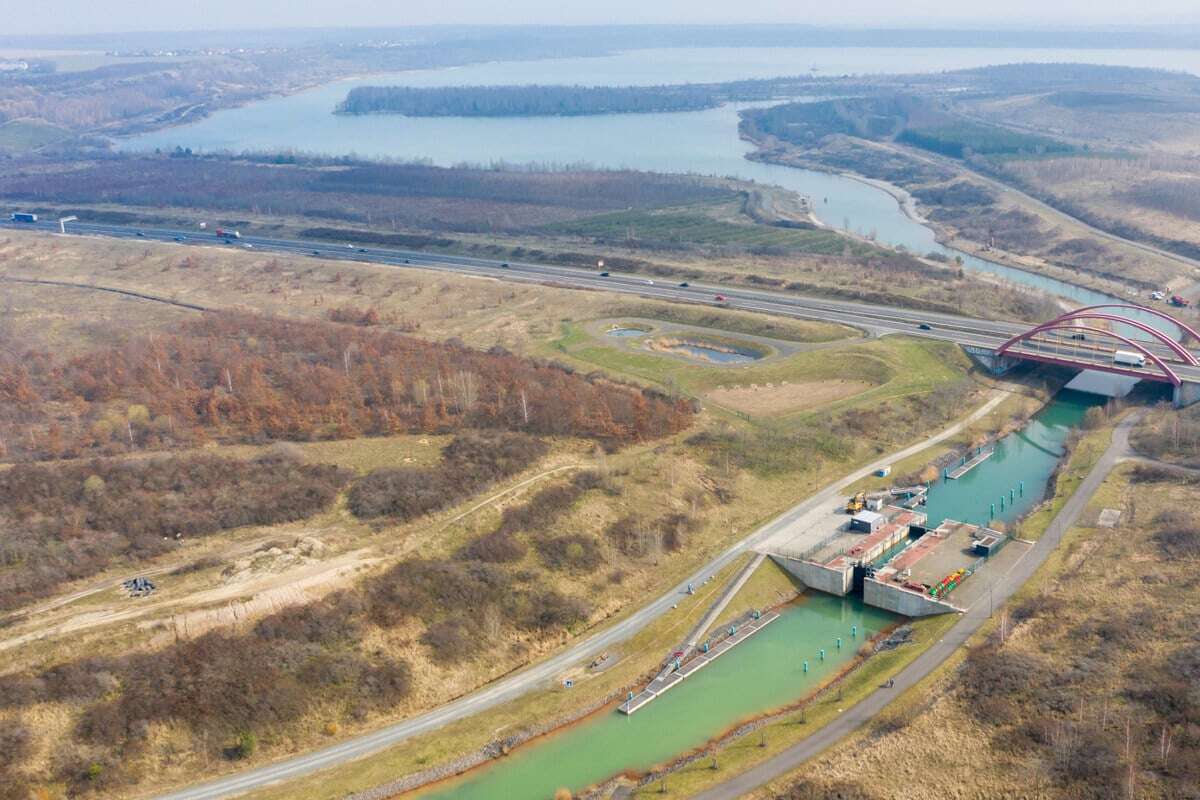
{"x":23,"y":217}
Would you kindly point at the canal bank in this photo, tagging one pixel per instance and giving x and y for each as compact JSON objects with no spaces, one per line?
{"x":766,"y":675}
{"x":762,"y":675}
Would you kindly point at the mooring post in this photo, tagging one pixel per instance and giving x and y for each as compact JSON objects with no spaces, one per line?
{"x":822,"y":653}
{"x":1021,"y":488}
{"x":853,"y":631}
{"x":806,"y":667}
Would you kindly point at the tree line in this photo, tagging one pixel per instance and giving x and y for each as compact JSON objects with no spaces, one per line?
{"x":238,"y":377}
{"x":63,"y":522}
{"x":526,"y":101}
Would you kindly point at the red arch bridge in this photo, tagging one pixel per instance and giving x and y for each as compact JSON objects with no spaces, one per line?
{"x":1136,"y":341}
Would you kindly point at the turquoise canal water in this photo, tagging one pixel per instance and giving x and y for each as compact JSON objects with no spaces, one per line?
{"x":1028,"y":455}
{"x":764,"y":673}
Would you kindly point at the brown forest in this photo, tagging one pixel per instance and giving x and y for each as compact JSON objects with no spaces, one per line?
{"x":248,"y":378}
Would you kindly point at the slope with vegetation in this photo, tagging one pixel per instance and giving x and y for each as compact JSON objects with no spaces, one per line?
{"x":1086,"y":688}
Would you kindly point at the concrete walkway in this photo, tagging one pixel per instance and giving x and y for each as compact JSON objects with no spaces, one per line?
{"x":540,"y":674}
{"x":854,"y":718}
{"x":736,"y":586}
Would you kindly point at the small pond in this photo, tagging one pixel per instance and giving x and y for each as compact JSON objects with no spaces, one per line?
{"x":627,"y":332}
{"x":702,"y":352}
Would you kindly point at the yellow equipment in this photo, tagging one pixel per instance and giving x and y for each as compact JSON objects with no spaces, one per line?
{"x":857,"y":503}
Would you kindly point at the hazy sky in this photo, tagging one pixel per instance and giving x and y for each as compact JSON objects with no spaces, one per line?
{"x":97,"y":16}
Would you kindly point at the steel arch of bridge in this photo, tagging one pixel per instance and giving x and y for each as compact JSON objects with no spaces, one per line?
{"x":1175,"y":347}
{"x":1065,"y":325}
{"x":1183,"y":326}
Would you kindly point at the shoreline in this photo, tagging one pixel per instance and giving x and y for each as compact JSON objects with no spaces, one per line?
{"x":908,"y":207}
{"x":494,"y":751}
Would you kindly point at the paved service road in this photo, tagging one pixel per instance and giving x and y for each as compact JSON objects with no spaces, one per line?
{"x":856,"y":717}
{"x":875,"y":318}
{"x":543,"y":673}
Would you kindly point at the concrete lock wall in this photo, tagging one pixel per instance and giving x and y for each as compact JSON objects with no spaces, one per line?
{"x":815,"y":576}
{"x":901,"y":601}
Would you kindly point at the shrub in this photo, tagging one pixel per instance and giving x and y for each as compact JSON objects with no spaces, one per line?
{"x":574,"y":552}
{"x":16,"y":743}
{"x":245,"y":746}
{"x":628,"y":535}
{"x":496,"y":547}
{"x":452,"y":641}
{"x":469,"y":463}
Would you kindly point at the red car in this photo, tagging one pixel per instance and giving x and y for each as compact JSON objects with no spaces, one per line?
{"x":720,"y":298}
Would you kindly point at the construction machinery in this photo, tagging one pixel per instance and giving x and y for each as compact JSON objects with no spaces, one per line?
{"x":856,"y":503}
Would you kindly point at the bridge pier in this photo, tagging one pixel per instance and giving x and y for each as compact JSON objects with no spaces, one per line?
{"x":1185,"y":394}
{"x":989,"y":360}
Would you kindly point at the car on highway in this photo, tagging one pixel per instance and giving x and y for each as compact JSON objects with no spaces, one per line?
{"x":316,"y":252}
{"x":721,"y":298}
{"x":925,"y":326}
{"x":649,"y":283}
{"x":362,"y":249}
{"x":684,"y":285}
{"x":139,"y":233}
{"x":406,"y":261}
{"x":180,"y":238}
{"x":248,"y":246}
{"x":503,"y":265}
{"x":603,"y":274}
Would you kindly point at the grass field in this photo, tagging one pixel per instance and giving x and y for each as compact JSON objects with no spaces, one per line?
{"x":1078,"y":612}
{"x":696,"y":227}
{"x":756,"y":467}
{"x":19,"y":134}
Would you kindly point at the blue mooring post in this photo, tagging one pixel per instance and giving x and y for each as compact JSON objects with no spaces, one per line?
{"x":1021,"y":488}
{"x":1012,"y":495}
{"x":806,"y":666}
{"x":854,"y":631}
{"x":839,"y":643}
{"x":945,"y":474}
{"x":1001,"y":502}
{"x":822,"y":653}
{"x":992,"y":512}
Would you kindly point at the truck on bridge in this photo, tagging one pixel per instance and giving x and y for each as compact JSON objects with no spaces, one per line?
{"x":1129,"y":359}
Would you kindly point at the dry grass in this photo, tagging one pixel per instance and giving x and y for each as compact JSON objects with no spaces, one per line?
{"x":1099,"y":580}
{"x":785,"y":398}
{"x":656,"y":479}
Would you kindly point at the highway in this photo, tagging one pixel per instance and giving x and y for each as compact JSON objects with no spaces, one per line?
{"x":877,"y":319}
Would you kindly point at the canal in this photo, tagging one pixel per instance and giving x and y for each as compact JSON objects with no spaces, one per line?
{"x":766,"y":672}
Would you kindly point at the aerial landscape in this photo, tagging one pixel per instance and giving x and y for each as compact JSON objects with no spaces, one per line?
{"x":550,"y":402}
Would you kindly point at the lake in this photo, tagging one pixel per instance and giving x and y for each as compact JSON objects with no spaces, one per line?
{"x":701,"y":142}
